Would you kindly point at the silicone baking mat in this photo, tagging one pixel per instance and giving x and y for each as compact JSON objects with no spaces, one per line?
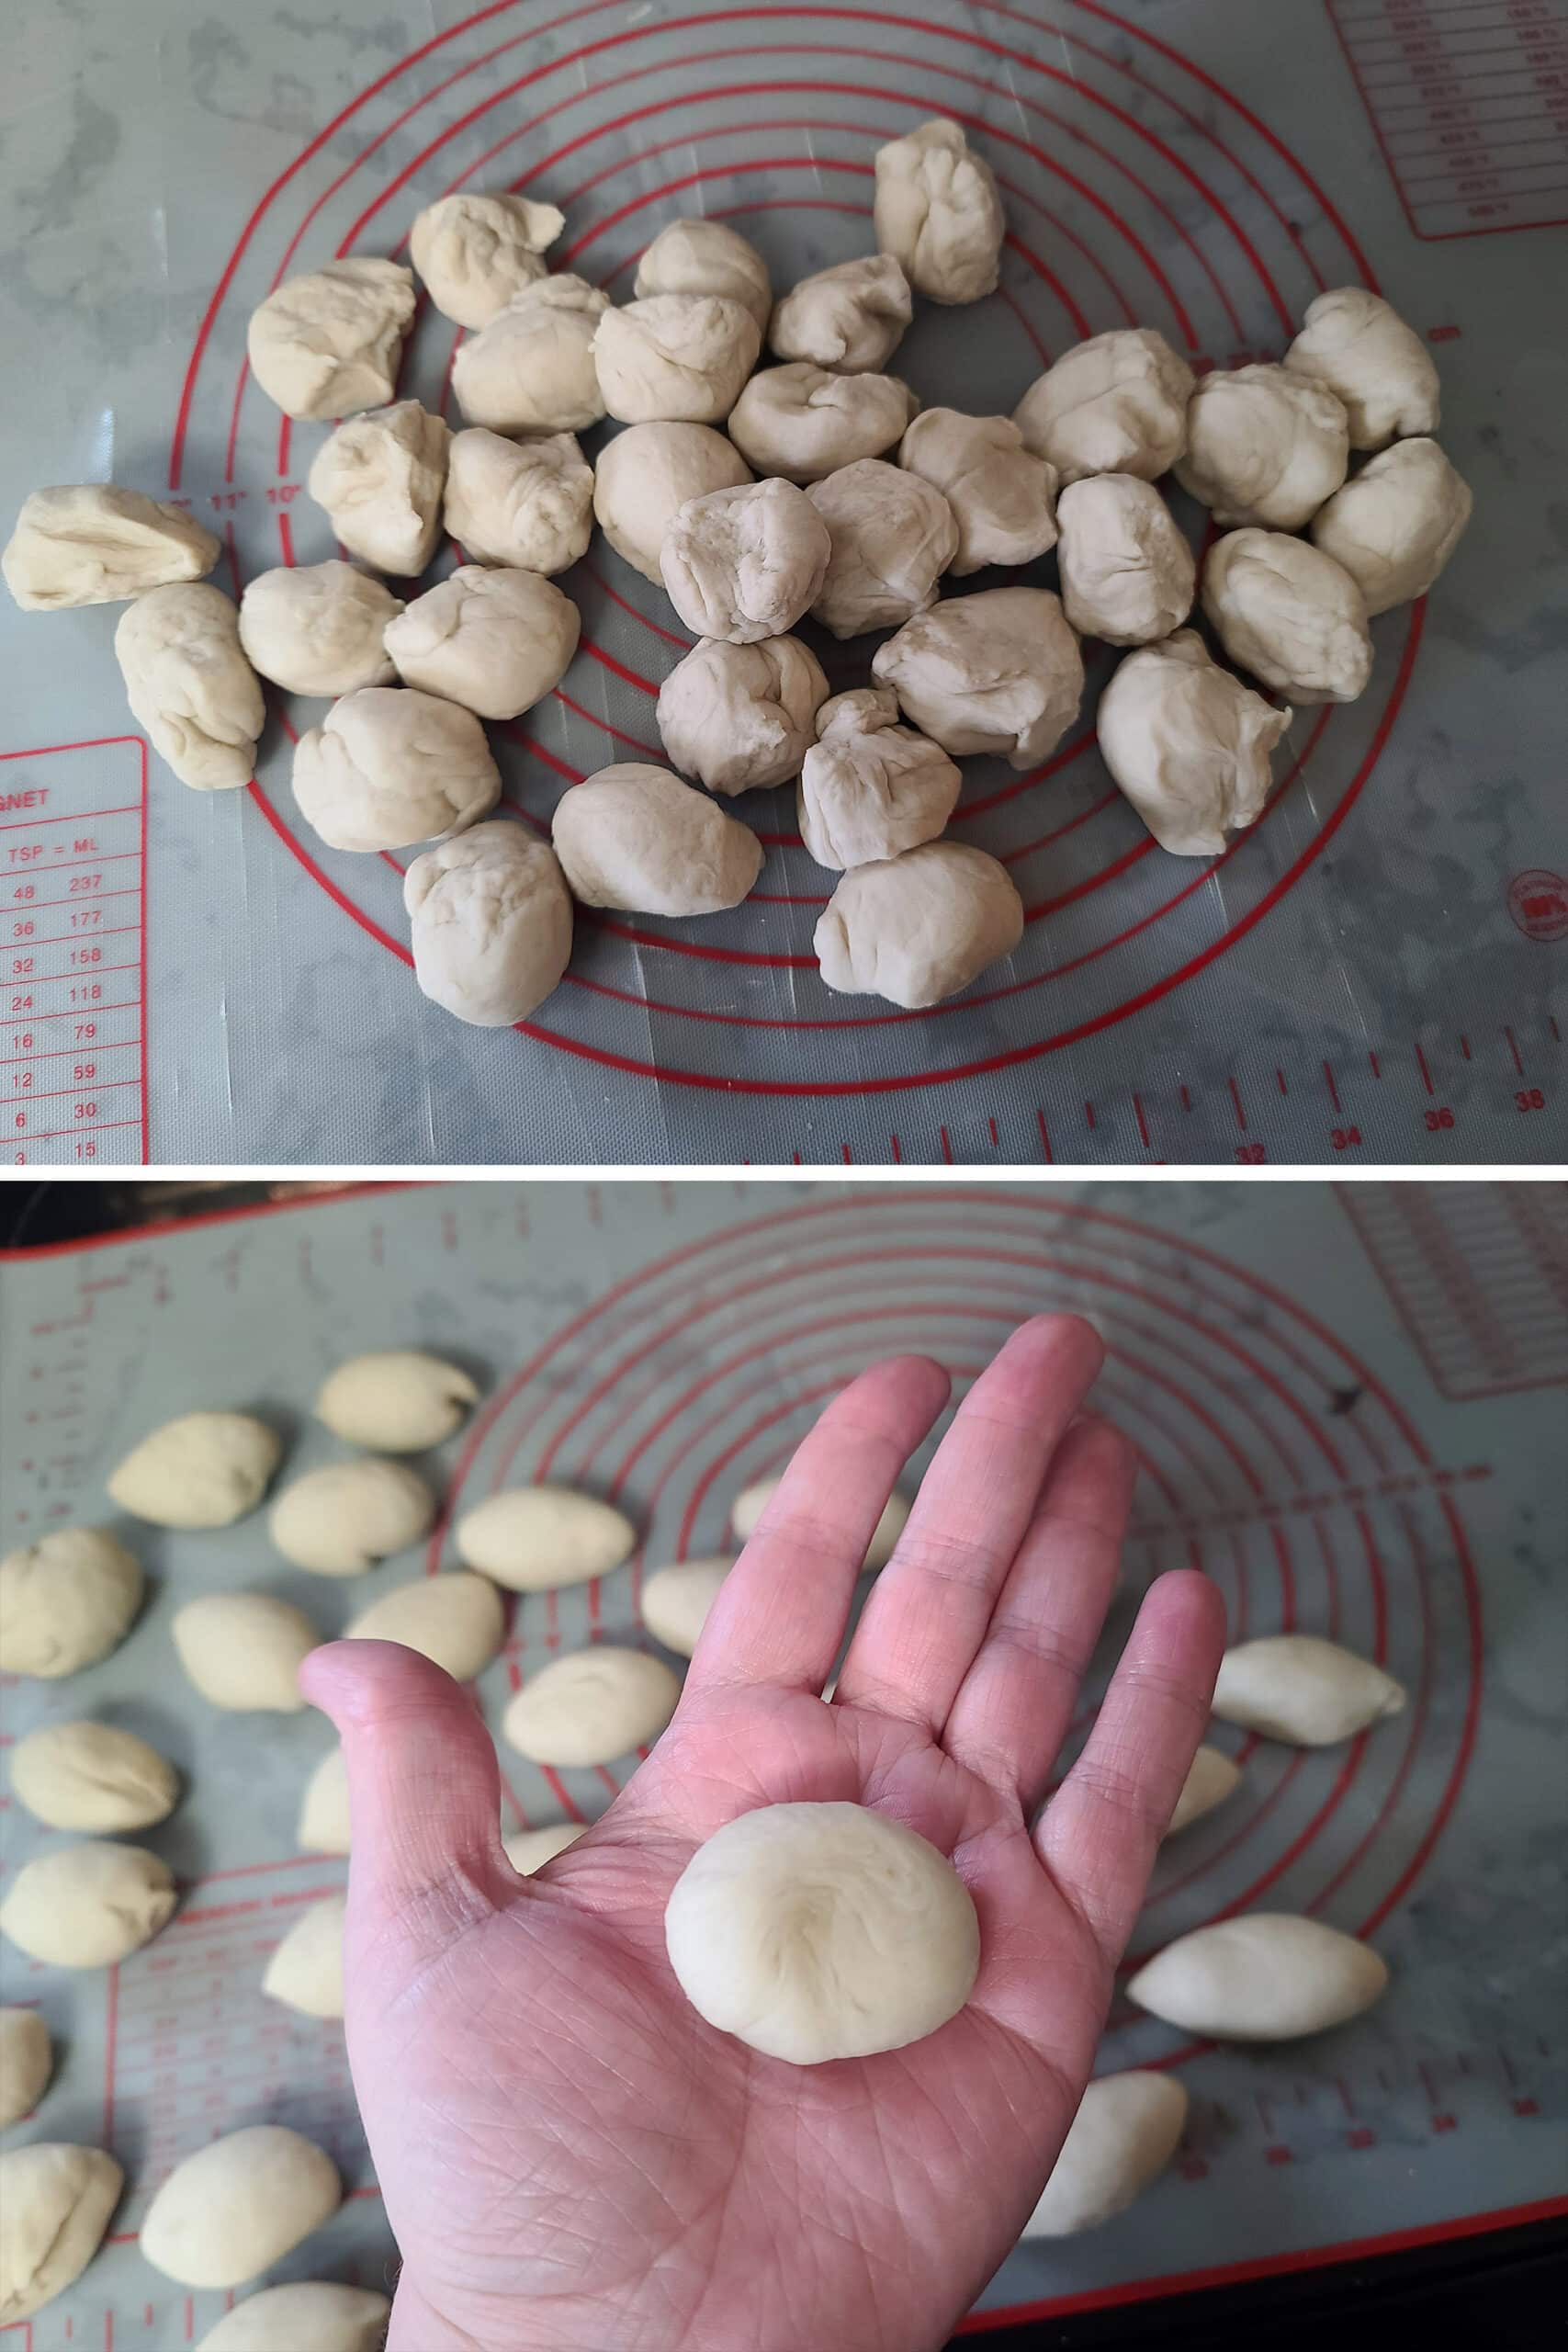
{"x":664,"y":1346}
{"x":1372,"y":973}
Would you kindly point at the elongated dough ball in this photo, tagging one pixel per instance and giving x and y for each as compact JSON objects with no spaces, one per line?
{"x":1127,"y":573}
{"x":1357,"y":345}
{"x":752,"y":1501}
{"x":999,"y":671}
{"x":202,"y":1470}
{"x":27,"y":2060}
{"x":91,"y":1777}
{"x":1189,"y":744}
{"x":92,"y":543}
{"x":86,"y":1907}
{"x":306,"y":1970}
{"x":803,"y":422}
{"x":1116,"y":405}
{"x":633,"y":836}
{"x":1210,"y":1780}
{"x":937,"y":210}
{"x":396,"y":1401}
{"x":916,"y":928}
{"x":380,"y":480}
{"x":1297,"y":1688}
{"x":591,"y":1706}
{"x":243,"y":1650}
{"x":189,"y":684}
{"x":456,"y":1620}
{"x":324,"y":1826}
{"x":496,"y":642}
{"x":1394,"y":528}
{"x":339,"y":1520}
{"x":390,"y":766}
{"x":490,"y":923}
{"x":66,"y":1601}
{"x":676,"y":1600}
{"x":531,"y":370}
{"x":1263,"y":445}
{"x":1126,"y":2131}
{"x":536,"y":1539}
{"x":1266,"y":1977}
{"x":55,"y":2202}
{"x":528,"y":1851}
{"x":239,"y":2205}
{"x":308,"y":2315}
{"x":851,"y":317}
{"x":1289,"y":613}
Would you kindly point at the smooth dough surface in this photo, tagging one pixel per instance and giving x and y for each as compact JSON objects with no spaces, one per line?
{"x":1210,"y":1780}
{"x":202,"y":1470}
{"x":316,"y":628}
{"x":307,"y":2315}
{"x":591,"y":1706}
{"x":243,"y":1650}
{"x":1126,"y":2131}
{"x":528,"y":1851}
{"x":1002,"y":495}
{"x":892,"y":536}
{"x":919,"y":927}
{"x":1297,"y":1688}
{"x":998,"y":672}
{"x":1263,"y":445}
{"x":742,"y":718}
{"x":89,"y":1906}
{"x":328,"y":343}
{"x":802,"y":422}
{"x":647,"y":473}
{"x":1267,"y":1977}
{"x":489,"y":923}
{"x":1127,"y":573}
{"x":92,"y":543}
{"x":324,"y":1827}
{"x":339,"y":1520}
{"x":749,"y":1504}
{"x":531,"y":369}
{"x":536,"y":1539}
{"x":306,"y":1970}
{"x":495,"y":641}
{"x":92,"y":1777}
{"x":239,"y":2205}
{"x":1188,"y":743}
{"x":1394,"y":527}
{"x":1116,"y":405}
{"x":66,"y":1601}
{"x":27,"y":2060}
{"x":189,"y":684}
{"x":55,"y":2202}
{"x":455,"y":1619}
{"x":680,"y":358}
{"x":1289,"y":613}
{"x":397,"y":1400}
{"x":676,"y":1600}
{"x":697,"y":256}
{"x":635,"y":837}
{"x":1357,"y":345}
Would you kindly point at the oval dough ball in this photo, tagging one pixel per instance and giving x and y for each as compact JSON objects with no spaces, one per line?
{"x":318,"y":629}
{"x":1126,"y":2131}
{"x":893,"y":536}
{"x":1263,"y":447}
{"x":680,"y":357}
{"x":536,"y":1539}
{"x":66,"y":1601}
{"x":647,"y":473}
{"x":1295,"y":1686}
{"x":310,"y":2316}
{"x":91,"y":543}
{"x":497,"y":642}
{"x":591,"y":1706}
{"x":1189,"y":744}
{"x":676,"y":1600}
{"x":916,"y":929}
{"x":92,"y":1777}
{"x":1116,"y":405}
{"x":937,"y":211}
{"x":744,"y":564}
{"x":27,"y":2060}
{"x":55,"y":2202}
{"x":1266,"y":1977}
{"x":851,"y":317}
{"x":739,"y":717}
{"x":1209,"y":1780}
{"x":528,"y":1851}
{"x":1002,"y":496}
{"x":395,"y":1400}
{"x":1128,"y":575}
{"x":1288,"y":614}
{"x":529,"y":503}
{"x":490,"y":924}
{"x":639,"y":839}
{"x":456,"y":1620}
{"x":705,"y":257}
{"x":1395,"y":525}
{"x":531,"y":370}
{"x":802,"y":423}
{"x":996,"y":672}
{"x":475,"y":252}
{"x":189,"y":684}
{"x":339,"y":1520}
{"x":780,"y":1928}
{"x":1353,"y":342}
{"x":306,"y":1970}
{"x":752,"y":1501}
{"x":323,"y":1826}
{"x":239,"y":2205}
{"x":88,"y":1906}
{"x":243,"y":1650}
{"x":329,"y":342}
{"x":870,"y":787}
{"x":390,"y":766}
{"x":202,"y":1470}
{"x":380,"y":479}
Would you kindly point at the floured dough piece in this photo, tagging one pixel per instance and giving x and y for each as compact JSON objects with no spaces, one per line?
{"x":455,"y":1620}
{"x":324,"y":1826}
{"x":380,"y":479}
{"x":329,"y":342}
{"x":306,"y":1970}
{"x":92,"y":1778}
{"x":851,"y":317}
{"x":1189,"y":744}
{"x":537,"y":1539}
{"x":524,"y":502}
{"x":339,"y":1520}
{"x":395,"y":1400}
{"x":1395,"y":525}
{"x":27,"y":2060}
{"x":1266,"y":1977}
{"x":739,"y":717}
{"x":528,"y":1851}
{"x":1289,"y":613}
{"x":239,"y":2205}
{"x":647,"y":473}
{"x":1116,"y":405}
{"x":996,"y":672}
{"x":705,"y":257}
{"x":1360,"y":349}
{"x":1263,"y":445}
{"x":591,"y":1706}
{"x":676,"y":1601}
{"x":308,"y":2315}
{"x":747,"y":1510}
{"x":636,"y":838}
{"x":1126,"y":2131}
{"x":495,"y":641}
{"x":1295,"y":1686}
{"x":189,"y":684}
{"x":1127,"y":573}
{"x":317,"y":628}
{"x":1002,"y":496}
{"x":893,"y":536}
{"x":91,"y":543}
{"x":390,"y":766}
{"x":66,"y":1601}
{"x":870,"y":787}
{"x":745,"y":564}
{"x":1209,"y":1780}
{"x":802,"y":423}
{"x":680,"y":357}
{"x":531,"y":370}
{"x":55,"y":2202}
{"x":916,"y":929}
{"x":475,"y":253}
{"x":490,"y":924}
{"x":938,"y":212}
{"x":243,"y":1650}
{"x":202,"y":1470}
{"x":89,"y":1906}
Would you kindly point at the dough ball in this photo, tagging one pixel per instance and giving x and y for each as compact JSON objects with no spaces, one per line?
{"x":647,"y":473}
{"x":396,"y":1401}
{"x":705,"y":257}
{"x":339,"y":1520}
{"x":1126,"y":2131}
{"x":456,"y":1620}
{"x":802,"y":423}
{"x":380,"y":480}
{"x":1128,"y":575}
{"x":996,"y":672}
{"x":306,"y":1970}
{"x":676,"y":1600}
{"x":1116,"y":405}
{"x":1263,"y":447}
{"x":92,"y":544}
{"x":317,"y":630}
{"x":490,"y":924}
{"x":243,"y":1650}
{"x":1266,"y":1977}
{"x":189,"y":684}
{"x":1395,"y":525}
{"x":239,"y":2205}
{"x":536,"y":1539}
{"x":747,"y":1510}
{"x":1209,"y":1780}
{"x":917,"y":928}
{"x":323,"y":1826}
{"x":329,"y":342}
{"x":1358,"y":348}
{"x":475,"y":253}
{"x":680,"y":357}
{"x":780,"y":1928}
{"x":591,"y":1706}
{"x":937,"y":211}
{"x":88,"y":1906}
{"x":528,"y":1851}
{"x":1003,"y":497}
{"x":66,"y":1601}
{"x":747,"y":563}
{"x":495,"y":641}
{"x":531,"y":370}
{"x":851,"y":317}
{"x":525,"y":502}
{"x":893,"y":536}
{"x":870,"y":787}
{"x":27,"y":2060}
{"x":1295,"y":1686}
{"x":55,"y":2202}
{"x":388,"y":767}
{"x":310,"y":2316}
{"x":739,"y":717}
{"x":202,"y":1470}
{"x":639,"y":839}
{"x":1288,"y":614}
{"x":92,"y":1778}
{"x":1189,"y":744}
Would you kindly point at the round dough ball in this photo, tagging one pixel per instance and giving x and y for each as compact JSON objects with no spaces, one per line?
{"x":390,"y":766}
{"x":189,"y":684}
{"x":647,"y":473}
{"x":317,"y":630}
{"x":528,"y":1851}
{"x":88,"y":1906}
{"x":802,"y":423}
{"x":675,"y":356}
{"x":531,"y":370}
{"x":243,"y":1650}
{"x":739,"y":717}
{"x":396,"y":1401}
{"x":1002,"y":496}
{"x":475,"y":252}
{"x":490,"y":924}
{"x":1358,"y":347}
{"x":851,"y":317}
{"x":536,"y":1539}
{"x":27,"y":2060}
{"x":92,"y":1778}
{"x":639,"y":839}
{"x":591,"y":1706}
{"x":938,"y":212}
{"x":497,"y":642}
{"x":705,"y":257}
{"x":676,"y":1600}
{"x":1266,"y":1977}
{"x":308,"y":2315}
{"x":996,"y":672}
{"x":747,"y":1510}
{"x":1263,"y":447}
{"x":306,"y":1970}
{"x":1126,"y":2131}
{"x":1209,"y":1780}
{"x":323,"y":1826}
{"x":339,"y":1520}
{"x":329,"y":342}
{"x":66,"y":1601}
{"x":55,"y":2202}
{"x":916,"y":929}
{"x":1116,"y":405}
{"x":380,"y":479}
{"x":780,"y":1928}
{"x":239,"y":2205}
{"x":892,"y":536}
{"x":202,"y":1470}
{"x":1127,"y":573}
{"x":529,"y":503}
{"x":1395,"y":525}
{"x":456,"y":1620}
{"x":91,"y":543}
{"x":1295,"y":1686}
{"x":1189,"y":744}
{"x":1288,"y":614}
{"x":744,"y":564}
{"x":869,"y":787}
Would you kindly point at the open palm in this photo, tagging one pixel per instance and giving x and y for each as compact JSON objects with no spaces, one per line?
{"x":569,"y":2157}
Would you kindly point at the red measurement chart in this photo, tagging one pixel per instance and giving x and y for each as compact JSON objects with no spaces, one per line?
{"x":72,"y":938}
